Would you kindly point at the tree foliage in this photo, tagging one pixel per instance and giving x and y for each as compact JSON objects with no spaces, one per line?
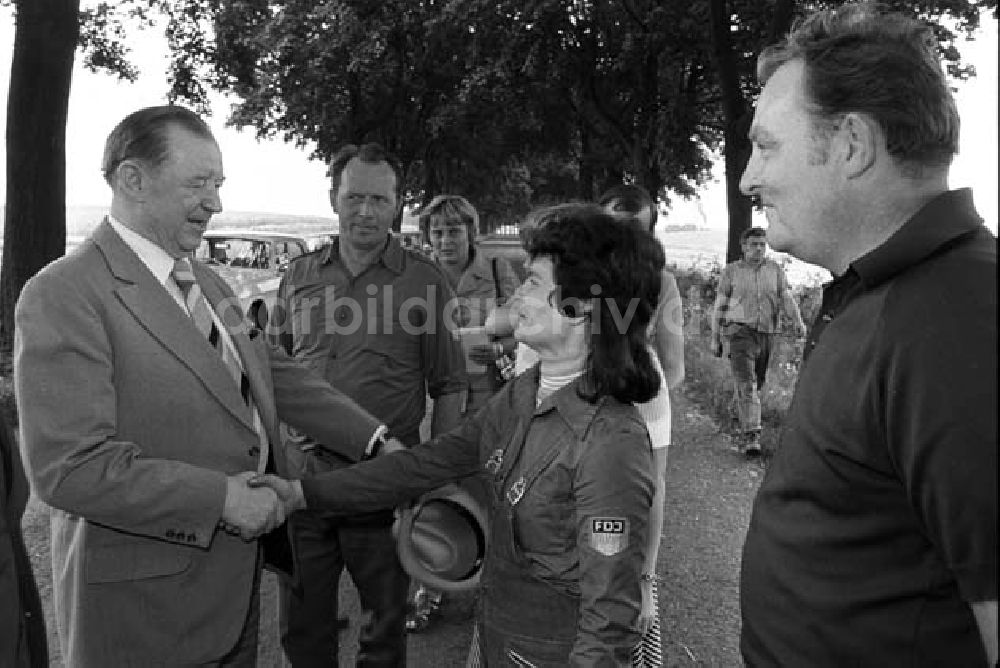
{"x":512,"y":103}
{"x":508,"y":102}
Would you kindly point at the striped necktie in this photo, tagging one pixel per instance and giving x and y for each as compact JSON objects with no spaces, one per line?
{"x":201,"y":314}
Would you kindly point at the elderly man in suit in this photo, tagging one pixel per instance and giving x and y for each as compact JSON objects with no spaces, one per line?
{"x":145,"y":404}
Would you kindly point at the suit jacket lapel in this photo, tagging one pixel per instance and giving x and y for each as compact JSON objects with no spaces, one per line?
{"x":164,"y":319}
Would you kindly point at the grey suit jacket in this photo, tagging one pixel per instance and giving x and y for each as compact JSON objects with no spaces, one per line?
{"x":130,"y":423}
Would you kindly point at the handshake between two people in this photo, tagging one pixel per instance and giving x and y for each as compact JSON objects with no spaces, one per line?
{"x":257,"y":504}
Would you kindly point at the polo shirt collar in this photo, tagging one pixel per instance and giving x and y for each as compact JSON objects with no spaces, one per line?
{"x":393,"y":256}
{"x":946,"y":217}
{"x":745,"y":263}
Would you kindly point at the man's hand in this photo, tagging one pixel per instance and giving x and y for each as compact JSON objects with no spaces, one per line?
{"x":250,"y":512}
{"x":289,"y":492}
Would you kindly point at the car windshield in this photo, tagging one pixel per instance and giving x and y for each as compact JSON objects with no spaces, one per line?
{"x":234,"y":252}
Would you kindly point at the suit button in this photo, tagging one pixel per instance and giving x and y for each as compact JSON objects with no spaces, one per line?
{"x":171,"y":533}
{"x":254,"y":451}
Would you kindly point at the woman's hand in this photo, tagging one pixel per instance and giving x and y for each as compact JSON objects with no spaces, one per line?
{"x":648,"y":612}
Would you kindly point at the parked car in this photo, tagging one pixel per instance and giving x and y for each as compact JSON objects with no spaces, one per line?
{"x":317,"y":240}
{"x":251,"y":262}
{"x":508,"y":247}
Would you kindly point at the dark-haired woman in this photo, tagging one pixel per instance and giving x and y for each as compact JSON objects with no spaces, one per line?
{"x":563,"y":449}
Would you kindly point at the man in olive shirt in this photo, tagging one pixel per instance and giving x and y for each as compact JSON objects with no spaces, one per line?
{"x":751,"y":296}
{"x":371,"y":317}
{"x":873,"y":538}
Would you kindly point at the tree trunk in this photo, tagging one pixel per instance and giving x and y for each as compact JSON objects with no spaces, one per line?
{"x":585,"y":188}
{"x":739,"y":205}
{"x":734,"y":109}
{"x":35,"y":215}
{"x":737,"y":112}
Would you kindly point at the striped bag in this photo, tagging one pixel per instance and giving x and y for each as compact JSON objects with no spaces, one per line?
{"x":648,"y":653}
{"x":475,"y":658}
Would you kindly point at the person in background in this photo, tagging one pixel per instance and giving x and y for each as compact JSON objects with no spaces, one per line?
{"x":481,"y":283}
{"x":22,"y":621}
{"x":562,"y":448}
{"x":370,"y":317}
{"x":145,"y":403}
{"x":449,"y":223}
{"x":633,"y":203}
{"x":752,"y":294}
{"x":873,"y":538}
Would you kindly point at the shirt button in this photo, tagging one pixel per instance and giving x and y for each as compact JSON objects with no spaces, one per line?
{"x":342,"y":314}
{"x":254,"y":451}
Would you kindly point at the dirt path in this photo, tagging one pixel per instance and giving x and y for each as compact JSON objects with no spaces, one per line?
{"x":709,"y":491}
{"x":710,"y":488}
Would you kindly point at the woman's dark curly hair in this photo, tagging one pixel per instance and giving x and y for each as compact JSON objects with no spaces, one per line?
{"x":615,"y":268}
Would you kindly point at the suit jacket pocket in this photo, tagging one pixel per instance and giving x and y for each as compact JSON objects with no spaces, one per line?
{"x":138,"y":560}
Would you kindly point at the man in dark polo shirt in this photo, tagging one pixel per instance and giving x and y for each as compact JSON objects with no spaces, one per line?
{"x":369,"y":316}
{"x":873,"y":538}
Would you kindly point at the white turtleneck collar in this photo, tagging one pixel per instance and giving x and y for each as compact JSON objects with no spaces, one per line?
{"x":554,"y":374}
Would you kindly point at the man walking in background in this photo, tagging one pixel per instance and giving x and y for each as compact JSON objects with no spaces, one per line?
{"x":369,"y":316}
{"x":750,"y":298}
{"x":873,"y":538}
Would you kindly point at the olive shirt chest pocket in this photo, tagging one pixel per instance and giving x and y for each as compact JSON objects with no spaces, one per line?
{"x":541,"y":497}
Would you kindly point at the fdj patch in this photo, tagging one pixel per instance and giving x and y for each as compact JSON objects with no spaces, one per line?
{"x":609,"y":535}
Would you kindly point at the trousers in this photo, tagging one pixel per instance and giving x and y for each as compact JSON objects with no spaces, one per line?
{"x":326,"y":545}
{"x":749,"y":356}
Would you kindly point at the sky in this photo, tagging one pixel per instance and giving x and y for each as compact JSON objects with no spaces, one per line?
{"x":272,"y":176}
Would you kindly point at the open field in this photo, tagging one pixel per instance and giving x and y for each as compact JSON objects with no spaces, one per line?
{"x":687,"y":249}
